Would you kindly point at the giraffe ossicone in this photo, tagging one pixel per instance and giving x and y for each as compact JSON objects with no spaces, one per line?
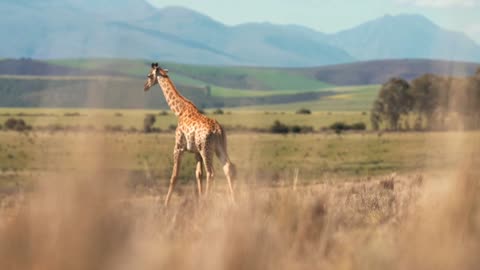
{"x":195,"y":133}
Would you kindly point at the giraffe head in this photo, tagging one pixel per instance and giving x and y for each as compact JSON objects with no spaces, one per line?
{"x":152,"y":77}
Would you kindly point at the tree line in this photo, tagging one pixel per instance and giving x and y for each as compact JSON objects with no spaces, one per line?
{"x":429,"y":102}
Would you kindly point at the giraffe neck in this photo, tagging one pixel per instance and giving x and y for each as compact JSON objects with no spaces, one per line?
{"x":177,"y":103}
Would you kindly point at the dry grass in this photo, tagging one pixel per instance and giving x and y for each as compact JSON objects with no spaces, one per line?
{"x":90,"y":222}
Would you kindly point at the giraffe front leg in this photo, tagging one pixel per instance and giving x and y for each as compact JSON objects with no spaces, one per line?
{"x":199,"y":173}
{"x":177,"y":157}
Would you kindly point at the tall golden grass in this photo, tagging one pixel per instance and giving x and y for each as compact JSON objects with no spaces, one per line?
{"x":395,"y":222}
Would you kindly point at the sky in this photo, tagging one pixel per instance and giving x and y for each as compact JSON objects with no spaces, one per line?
{"x":333,"y":15}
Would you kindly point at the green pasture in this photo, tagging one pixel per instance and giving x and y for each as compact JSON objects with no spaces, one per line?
{"x":134,"y":118}
{"x":259,"y":157}
{"x":354,"y":98}
{"x":201,"y":76}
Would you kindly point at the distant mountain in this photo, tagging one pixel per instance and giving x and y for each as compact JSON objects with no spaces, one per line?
{"x":405,"y":36}
{"x":135,"y":29}
{"x":76,"y":29}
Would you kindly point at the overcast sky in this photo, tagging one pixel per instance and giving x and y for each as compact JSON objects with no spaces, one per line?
{"x":333,"y":15}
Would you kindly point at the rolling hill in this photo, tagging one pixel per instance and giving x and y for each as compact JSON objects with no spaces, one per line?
{"x":117,"y":83}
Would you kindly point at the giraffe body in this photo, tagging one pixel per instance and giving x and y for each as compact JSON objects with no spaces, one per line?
{"x":195,"y":133}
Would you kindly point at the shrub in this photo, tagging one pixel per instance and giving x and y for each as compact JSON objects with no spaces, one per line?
{"x":304,"y":111}
{"x":114,"y":128}
{"x":301,"y":129}
{"x":172,"y":127}
{"x":279,"y":127}
{"x":16,"y":124}
{"x":118,"y":114}
{"x":163,"y":113}
{"x":306,"y":129}
{"x":72,"y":114}
{"x":338,"y":127}
{"x":148,"y":122}
{"x":218,"y":111}
{"x":358,"y":126}
{"x":296,"y":129}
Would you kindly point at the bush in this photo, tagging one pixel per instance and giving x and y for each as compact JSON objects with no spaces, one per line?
{"x":118,"y":114}
{"x":172,"y":127}
{"x":279,"y":127}
{"x":304,"y":111}
{"x":114,"y":128}
{"x":339,"y":127}
{"x":296,"y":129}
{"x":148,"y":122}
{"x":301,"y":129}
{"x":16,"y":124}
{"x":218,"y":111}
{"x":163,"y":113}
{"x":72,"y":114}
{"x":358,"y":126}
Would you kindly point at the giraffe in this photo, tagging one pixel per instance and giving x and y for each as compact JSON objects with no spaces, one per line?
{"x":195,"y":133}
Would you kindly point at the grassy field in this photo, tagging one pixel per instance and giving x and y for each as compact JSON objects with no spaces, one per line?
{"x":260,"y":157}
{"x":263,"y":156}
{"x":351,"y":98}
{"x":134,"y":118}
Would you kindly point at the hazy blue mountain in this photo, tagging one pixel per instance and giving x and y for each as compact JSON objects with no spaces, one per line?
{"x":405,"y":36}
{"x":135,"y":29}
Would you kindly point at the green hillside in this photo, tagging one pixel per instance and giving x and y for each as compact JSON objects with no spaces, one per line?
{"x":118,"y":83}
{"x":351,"y":98}
{"x":251,"y":78}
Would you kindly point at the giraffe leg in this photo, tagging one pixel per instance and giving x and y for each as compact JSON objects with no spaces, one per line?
{"x":177,"y":157}
{"x":207,"y":157}
{"x":199,"y":174}
{"x":228,"y":168}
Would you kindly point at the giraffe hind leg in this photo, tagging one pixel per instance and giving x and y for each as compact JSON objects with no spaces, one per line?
{"x":228,"y":168}
{"x":207,"y":157}
{"x":199,"y":173}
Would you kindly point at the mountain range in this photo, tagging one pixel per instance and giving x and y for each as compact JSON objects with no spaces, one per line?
{"x":53,"y":29}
